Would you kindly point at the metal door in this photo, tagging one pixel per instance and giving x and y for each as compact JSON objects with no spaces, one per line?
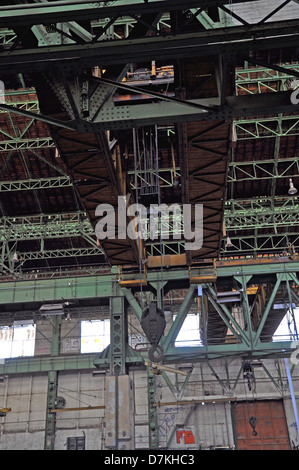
{"x":260,"y":425}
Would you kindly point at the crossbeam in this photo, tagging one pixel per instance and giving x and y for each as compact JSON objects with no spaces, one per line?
{"x":261,"y":128}
{"x":120,"y":117}
{"x":251,"y":215}
{"x":245,"y":340}
{"x":262,"y":169}
{"x":47,"y":13}
{"x":34,"y":184}
{"x":26,"y":144}
{"x":39,"y":290}
{"x":153,"y":48}
{"x":44,"y":226}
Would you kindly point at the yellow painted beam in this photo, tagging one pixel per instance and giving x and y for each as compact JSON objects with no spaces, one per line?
{"x":166,"y":260}
{"x":86,"y":408}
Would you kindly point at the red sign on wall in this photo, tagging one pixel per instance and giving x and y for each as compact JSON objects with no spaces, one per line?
{"x":187,"y":435}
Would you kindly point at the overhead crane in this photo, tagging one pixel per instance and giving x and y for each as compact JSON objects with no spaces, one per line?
{"x":77,"y":124}
{"x":200,"y":103}
{"x":197,"y":120}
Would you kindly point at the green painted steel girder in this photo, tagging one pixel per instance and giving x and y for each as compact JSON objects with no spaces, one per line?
{"x":47,"y":13}
{"x":273,"y":349}
{"x":28,"y":105}
{"x":26,"y":143}
{"x":259,"y":169}
{"x":235,"y":106}
{"x":261,"y":204}
{"x":67,"y":253}
{"x":41,"y":364}
{"x":7,"y":36}
{"x":258,"y":243}
{"x":166,"y":176}
{"x":120,"y":117}
{"x":261,"y":128}
{"x":248,"y":342}
{"x":30,"y":365}
{"x":106,"y":285}
{"x":153,"y":48}
{"x":33,"y":184}
{"x":165,"y":248}
{"x":262,"y":216}
{"x":43,"y":226}
{"x":177,"y":324}
{"x":57,"y":289}
{"x":248,"y":75}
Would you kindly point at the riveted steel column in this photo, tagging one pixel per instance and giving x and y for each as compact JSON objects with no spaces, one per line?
{"x":52,"y":387}
{"x":153,"y":433}
{"x":118,"y":384}
{"x":118,"y":336}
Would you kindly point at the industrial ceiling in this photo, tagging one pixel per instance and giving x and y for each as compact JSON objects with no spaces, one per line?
{"x":89,"y":85}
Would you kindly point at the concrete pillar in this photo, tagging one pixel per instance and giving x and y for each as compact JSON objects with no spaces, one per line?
{"x":119,"y":413}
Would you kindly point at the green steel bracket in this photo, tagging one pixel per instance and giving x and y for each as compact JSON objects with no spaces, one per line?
{"x":118,"y":336}
{"x":159,"y":289}
{"x":225,"y":385}
{"x":243,"y":280}
{"x":175,"y":389}
{"x":278,"y":383}
{"x":119,"y":356}
{"x":167,"y":341}
{"x":131,"y":358}
{"x":134,"y":305}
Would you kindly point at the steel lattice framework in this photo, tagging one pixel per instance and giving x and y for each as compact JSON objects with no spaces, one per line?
{"x":254,"y":79}
{"x":214,"y":80}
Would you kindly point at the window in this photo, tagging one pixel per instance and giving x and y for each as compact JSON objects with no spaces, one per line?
{"x":95,"y":335}
{"x":189,"y":333}
{"x":288,"y":328}
{"x":136,"y":340}
{"x":17,"y":340}
{"x":75,"y":443}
